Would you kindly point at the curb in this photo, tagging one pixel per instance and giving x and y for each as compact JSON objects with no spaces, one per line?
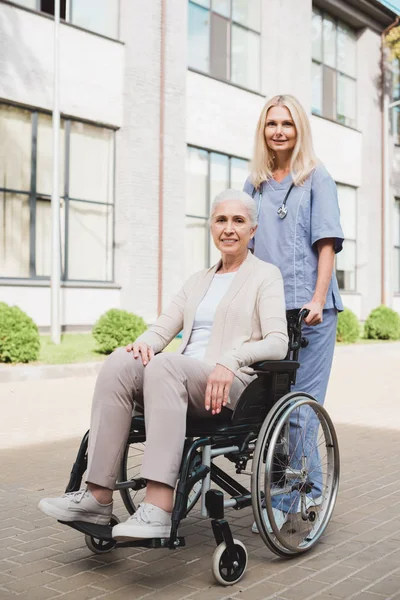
{"x":10,"y":374}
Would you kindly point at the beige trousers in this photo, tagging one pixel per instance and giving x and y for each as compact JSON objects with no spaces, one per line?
{"x":169,"y":387}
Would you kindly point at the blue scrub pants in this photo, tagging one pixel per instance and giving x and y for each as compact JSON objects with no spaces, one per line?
{"x":312,"y":378}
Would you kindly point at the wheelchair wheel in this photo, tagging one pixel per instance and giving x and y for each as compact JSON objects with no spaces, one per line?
{"x":224,"y":572}
{"x":98,"y":546}
{"x":130,"y":469}
{"x":295,"y":475}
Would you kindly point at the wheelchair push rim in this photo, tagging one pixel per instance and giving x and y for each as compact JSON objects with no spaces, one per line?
{"x":291,"y":475}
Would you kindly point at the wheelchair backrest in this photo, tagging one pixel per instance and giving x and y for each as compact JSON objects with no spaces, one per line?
{"x":262,"y":393}
{"x":259,"y":396}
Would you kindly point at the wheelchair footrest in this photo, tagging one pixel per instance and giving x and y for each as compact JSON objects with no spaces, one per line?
{"x":100,"y":532}
{"x":104,"y":532}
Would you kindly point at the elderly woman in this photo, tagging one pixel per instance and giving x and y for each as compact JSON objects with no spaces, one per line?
{"x":299,"y":231}
{"x":232,"y":315}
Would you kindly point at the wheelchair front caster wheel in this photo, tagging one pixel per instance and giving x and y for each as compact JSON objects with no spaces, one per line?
{"x":102,"y":546}
{"x":226,"y":571}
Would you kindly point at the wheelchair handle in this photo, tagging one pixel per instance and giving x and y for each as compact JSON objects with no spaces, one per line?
{"x":303,"y":314}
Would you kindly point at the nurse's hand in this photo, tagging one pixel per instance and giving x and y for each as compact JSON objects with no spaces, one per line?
{"x":315,"y":315}
{"x":141,"y":349}
{"x":218,"y":388}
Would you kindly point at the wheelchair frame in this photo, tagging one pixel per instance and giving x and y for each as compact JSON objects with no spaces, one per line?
{"x":234,"y":436}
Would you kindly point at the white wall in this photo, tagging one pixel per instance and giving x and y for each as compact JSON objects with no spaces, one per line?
{"x":91,"y":67}
{"x":340,"y":149}
{"x":286,"y":49}
{"x":353,"y":302}
{"x":79,"y":306}
{"x":220,"y":116}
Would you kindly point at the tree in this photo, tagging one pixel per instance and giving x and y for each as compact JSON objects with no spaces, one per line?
{"x":392,"y":41}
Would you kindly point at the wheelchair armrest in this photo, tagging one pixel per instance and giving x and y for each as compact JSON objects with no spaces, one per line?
{"x":275,"y":366}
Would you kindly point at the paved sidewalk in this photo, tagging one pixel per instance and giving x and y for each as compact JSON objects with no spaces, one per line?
{"x":359,"y":556}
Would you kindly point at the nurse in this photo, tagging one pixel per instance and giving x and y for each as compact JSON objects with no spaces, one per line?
{"x":299,"y":231}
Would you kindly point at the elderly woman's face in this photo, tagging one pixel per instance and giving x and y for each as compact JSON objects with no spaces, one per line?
{"x":231,"y":228}
{"x":280,"y":131}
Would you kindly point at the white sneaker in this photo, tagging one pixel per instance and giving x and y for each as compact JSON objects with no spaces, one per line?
{"x":147,"y":522}
{"x":281,"y":517}
{"x":77,"y":506}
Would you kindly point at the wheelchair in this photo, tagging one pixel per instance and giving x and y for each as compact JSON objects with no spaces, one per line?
{"x":291,"y":444}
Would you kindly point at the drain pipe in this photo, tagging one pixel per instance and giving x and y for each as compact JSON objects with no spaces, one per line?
{"x":161,"y":159}
{"x":385,"y":195}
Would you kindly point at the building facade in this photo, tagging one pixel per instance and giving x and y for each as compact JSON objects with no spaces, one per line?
{"x":159,"y":103}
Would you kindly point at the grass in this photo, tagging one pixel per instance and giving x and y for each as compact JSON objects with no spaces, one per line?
{"x":76,"y":348}
{"x":81,"y":348}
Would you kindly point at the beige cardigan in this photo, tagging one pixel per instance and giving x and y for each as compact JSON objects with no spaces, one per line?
{"x":249,"y":324}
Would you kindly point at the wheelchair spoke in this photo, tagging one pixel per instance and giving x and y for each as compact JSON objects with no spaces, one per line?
{"x":299,"y":478}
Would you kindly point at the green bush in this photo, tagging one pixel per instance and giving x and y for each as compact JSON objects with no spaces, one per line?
{"x":348,"y":327}
{"x":117,"y":328}
{"x":19,"y":335}
{"x":382,"y":323}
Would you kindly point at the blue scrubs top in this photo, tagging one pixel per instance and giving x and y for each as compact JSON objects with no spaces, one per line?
{"x":290,"y":243}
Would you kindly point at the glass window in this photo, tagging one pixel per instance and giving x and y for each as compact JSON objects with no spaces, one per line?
{"x":43,"y":236}
{"x":226,"y":46}
{"x":346,"y":50}
{"x":223,"y":7}
{"x":197,"y":183}
{"x":14,"y":234}
{"x":245,"y":68}
{"x":91,"y":224}
{"x":44,"y":168}
{"x":316,"y":35}
{"x":316,"y":88}
{"x":247,"y":12}
{"x":25,"y":202}
{"x":91,"y":163}
{"x":346,"y":100}
{"x":199,"y":38}
{"x":239,"y":173}
{"x":334,"y":56}
{"x":396,"y":240}
{"x":329,"y":41}
{"x":346,"y":267}
{"x":15,"y":148}
{"x":100,"y":16}
{"x":219,"y":181}
{"x":346,"y":259}
{"x":207,"y":174}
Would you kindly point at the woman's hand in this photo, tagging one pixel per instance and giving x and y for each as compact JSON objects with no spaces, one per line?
{"x":315,"y":315}
{"x":218,"y":388}
{"x":146,"y":352}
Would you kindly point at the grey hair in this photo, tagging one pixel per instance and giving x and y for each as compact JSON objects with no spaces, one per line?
{"x":237,"y":195}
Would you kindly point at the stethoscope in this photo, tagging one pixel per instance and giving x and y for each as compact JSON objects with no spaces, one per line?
{"x":282,"y":210}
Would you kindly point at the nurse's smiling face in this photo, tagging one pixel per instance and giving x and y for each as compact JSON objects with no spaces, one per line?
{"x":231,"y":228}
{"x":280,"y":130}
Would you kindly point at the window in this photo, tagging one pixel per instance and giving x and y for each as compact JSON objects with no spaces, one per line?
{"x":395,"y":112}
{"x":346,"y":259}
{"x":86,"y":197}
{"x":224,"y":40}
{"x":207,"y":174}
{"x":333,"y":69}
{"x":100,"y":16}
{"x":396,"y":239}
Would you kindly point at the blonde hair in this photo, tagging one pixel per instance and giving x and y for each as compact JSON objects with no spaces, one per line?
{"x":303,"y":159}
{"x":243,"y":197}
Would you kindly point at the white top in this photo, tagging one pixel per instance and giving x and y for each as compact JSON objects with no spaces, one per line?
{"x":205,"y":313}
